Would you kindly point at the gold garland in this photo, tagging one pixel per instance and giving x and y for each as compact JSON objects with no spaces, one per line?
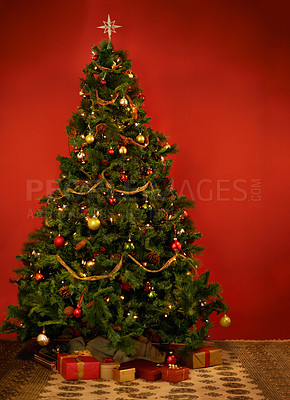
{"x":128,"y":140}
{"x":165,"y":266}
{"x":89,"y":278}
{"x":114,"y":67}
{"x":117,"y":267}
{"x":138,"y":190}
{"x":134,"y":108}
{"x":105,"y":102}
{"x":84,"y":193}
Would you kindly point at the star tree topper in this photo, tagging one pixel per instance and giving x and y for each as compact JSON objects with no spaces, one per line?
{"x":109,"y":27}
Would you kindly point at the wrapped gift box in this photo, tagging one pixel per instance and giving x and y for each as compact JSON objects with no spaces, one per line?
{"x":204,"y":357}
{"x":106,"y":369}
{"x":145,"y":369}
{"x":77,"y":366}
{"x":124,"y":374}
{"x":174,"y":374}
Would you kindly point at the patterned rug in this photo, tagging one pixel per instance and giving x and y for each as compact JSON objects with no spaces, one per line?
{"x":251,"y":371}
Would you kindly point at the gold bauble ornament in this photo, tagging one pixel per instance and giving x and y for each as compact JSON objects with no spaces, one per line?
{"x":91,"y":264}
{"x":123,"y":150}
{"x":42,"y":339}
{"x":140,"y":138}
{"x":90,"y":138}
{"x":94,"y":223}
{"x":225,"y":321}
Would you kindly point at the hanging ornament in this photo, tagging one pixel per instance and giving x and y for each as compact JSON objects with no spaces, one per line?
{"x":141,"y":96}
{"x":152,"y":294}
{"x":225,"y":321}
{"x":68,"y":311}
{"x":91,"y":264}
{"x":84,"y":210}
{"x":149,"y":172}
{"x":77,"y":312}
{"x":129,"y":245}
{"x":103,"y":82}
{"x":171,"y":358}
{"x":123,"y":150}
{"x":81,"y":155}
{"x":80,"y":245}
{"x":147,"y":206}
{"x":106,"y":163}
{"x":58,"y":241}
{"x":175,"y":245}
{"x":111,"y":151}
{"x":124,"y":177}
{"x":185,"y":214}
{"x":90,"y":138}
{"x":112,"y":201}
{"x":153,"y":258}
{"x":94,"y":223}
{"x":140,"y":138}
{"x":38,"y":276}
{"x":130,"y":74}
{"x":64,"y":291}
{"x":42,"y":339}
{"x":123,"y":101}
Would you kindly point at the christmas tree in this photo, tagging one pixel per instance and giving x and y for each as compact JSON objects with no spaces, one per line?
{"x":116,"y":254}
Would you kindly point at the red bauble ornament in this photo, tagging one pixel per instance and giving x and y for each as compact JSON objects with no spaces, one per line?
{"x":95,"y":57}
{"x":111,"y":151}
{"x":84,"y":210}
{"x":77,"y":312}
{"x":38,"y":276}
{"x":175,"y":245}
{"x":124,"y":177}
{"x":171,"y":358}
{"x":103,"y":82}
{"x":141,"y":96}
{"x":112,"y":201}
{"x":149,"y":172}
{"x":76,"y":151}
{"x":59,"y":241}
{"x":185,"y":214}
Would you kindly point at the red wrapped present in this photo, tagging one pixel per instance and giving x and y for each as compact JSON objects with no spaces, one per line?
{"x":145,"y":369}
{"x":176,"y":374}
{"x":79,"y":365}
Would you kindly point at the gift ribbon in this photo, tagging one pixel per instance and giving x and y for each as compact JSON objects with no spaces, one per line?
{"x":107,"y":360}
{"x":207,"y":358}
{"x":80,"y":364}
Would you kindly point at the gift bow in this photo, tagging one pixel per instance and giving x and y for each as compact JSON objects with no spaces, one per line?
{"x":86,"y":353}
{"x":107,"y":360}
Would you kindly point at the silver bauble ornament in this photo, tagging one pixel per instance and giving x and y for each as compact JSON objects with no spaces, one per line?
{"x":42,"y":339}
{"x":123,"y":150}
{"x":123,"y":101}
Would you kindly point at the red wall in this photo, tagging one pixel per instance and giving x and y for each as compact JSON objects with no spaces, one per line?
{"x":216,"y":78}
